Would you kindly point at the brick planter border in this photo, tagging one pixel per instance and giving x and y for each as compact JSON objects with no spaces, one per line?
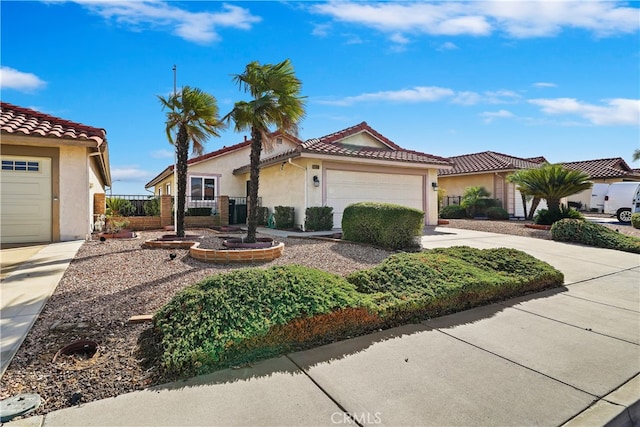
{"x":538,"y":226}
{"x":225,"y":256}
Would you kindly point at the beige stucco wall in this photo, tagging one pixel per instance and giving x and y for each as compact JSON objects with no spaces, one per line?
{"x":455,"y":185}
{"x":362,"y":139}
{"x":95,"y":187}
{"x":74,"y":193}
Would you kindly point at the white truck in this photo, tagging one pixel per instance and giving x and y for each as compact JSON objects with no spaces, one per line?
{"x":622,"y":200}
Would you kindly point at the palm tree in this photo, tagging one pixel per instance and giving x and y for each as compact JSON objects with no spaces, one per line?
{"x":276,"y":102}
{"x":473,"y":198}
{"x":552,"y":183}
{"x":193,"y":115}
{"x":518,"y":178}
{"x":636,"y":154}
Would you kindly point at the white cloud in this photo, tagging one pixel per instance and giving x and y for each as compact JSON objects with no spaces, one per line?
{"x":518,"y":19}
{"x":447,"y":46}
{"x":490,"y":116}
{"x":321,"y":30}
{"x":467,"y":98}
{"x":130,"y":173}
{"x":545,"y":84}
{"x":162,"y":154}
{"x":413,"y":95}
{"x":199,"y":27}
{"x":488,"y":97}
{"x":399,"y":38}
{"x":619,"y":111}
{"x":11,"y":78}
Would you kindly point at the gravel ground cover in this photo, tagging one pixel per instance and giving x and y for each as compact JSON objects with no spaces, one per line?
{"x":108,"y":282}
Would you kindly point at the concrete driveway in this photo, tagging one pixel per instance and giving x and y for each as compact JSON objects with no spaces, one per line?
{"x":11,"y":256}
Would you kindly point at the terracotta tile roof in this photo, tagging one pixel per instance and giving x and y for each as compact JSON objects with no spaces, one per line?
{"x":18,"y":120}
{"x":353,"y":130}
{"x":603,"y":168}
{"x":539,"y":159}
{"x":487,"y":161}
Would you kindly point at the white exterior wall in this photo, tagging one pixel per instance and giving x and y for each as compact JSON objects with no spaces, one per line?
{"x":284,"y":187}
{"x":95,"y":187}
{"x":74,"y":193}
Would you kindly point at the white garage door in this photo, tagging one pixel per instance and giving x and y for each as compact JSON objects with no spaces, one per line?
{"x":25,"y":191}
{"x":347,"y":187}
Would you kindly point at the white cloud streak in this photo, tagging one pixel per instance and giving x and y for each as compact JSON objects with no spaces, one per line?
{"x":130,"y":173}
{"x":619,"y":111}
{"x":197,"y":27}
{"x":545,"y":84}
{"x":490,"y":116}
{"x":162,"y":154}
{"x":413,"y":95}
{"x":11,"y":78}
{"x":516,"y":19}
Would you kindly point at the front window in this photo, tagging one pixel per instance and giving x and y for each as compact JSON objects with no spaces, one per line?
{"x":203,"y":188}
{"x":168,"y":189}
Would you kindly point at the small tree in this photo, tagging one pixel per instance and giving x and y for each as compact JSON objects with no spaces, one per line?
{"x":472,"y":199}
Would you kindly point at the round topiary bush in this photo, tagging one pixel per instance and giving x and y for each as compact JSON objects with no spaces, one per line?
{"x":497,"y":213}
{"x":635,"y":220}
{"x":453,"y":212}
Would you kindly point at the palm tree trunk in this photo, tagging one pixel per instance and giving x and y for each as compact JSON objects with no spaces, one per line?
{"x":254,"y":179}
{"x":524,"y":204}
{"x":183,"y":153}
{"x":534,"y":205}
{"x":553,"y":205}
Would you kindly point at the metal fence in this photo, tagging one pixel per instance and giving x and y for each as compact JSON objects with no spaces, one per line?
{"x":136,"y":201}
{"x":451,"y":200}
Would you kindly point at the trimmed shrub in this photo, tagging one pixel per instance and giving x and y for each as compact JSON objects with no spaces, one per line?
{"x":385,"y":225}
{"x":545,"y":217}
{"x":453,"y":212}
{"x":571,"y":230}
{"x":496,"y":212}
{"x":263,"y":215}
{"x":198,"y":211}
{"x":284,"y":216}
{"x":152,"y":207}
{"x":319,"y":218}
{"x":220,"y":321}
{"x":436,"y":282}
{"x":635,"y":220}
{"x":474,"y":200}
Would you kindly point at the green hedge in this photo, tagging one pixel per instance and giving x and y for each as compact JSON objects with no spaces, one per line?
{"x":571,"y":230}
{"x":497,"y":213}
{"x":385,"y":225}
{"x":453,"y":212}
{"x":635,"y":220}
{"x":250,"y":314}
{"x":318,"y":218}
{"x":285,"y":217}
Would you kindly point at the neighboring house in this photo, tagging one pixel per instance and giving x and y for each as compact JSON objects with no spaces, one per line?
{"x":51,"y":170}
{"x":352,"y":165}
{"x":601,"y":171}
{"x":489,"y":170}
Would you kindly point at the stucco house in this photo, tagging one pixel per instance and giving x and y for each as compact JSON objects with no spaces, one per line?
{"x":51,"y":171}
{"x":352,"y":165}
{"x":601,"y":171}
{"x":487,"y":169}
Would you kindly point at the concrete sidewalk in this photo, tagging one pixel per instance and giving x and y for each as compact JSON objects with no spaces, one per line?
{"x":570,"y":355}
{"x":26,"y":289}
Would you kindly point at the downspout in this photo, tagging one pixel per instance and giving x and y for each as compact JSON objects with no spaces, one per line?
{"x":306,"y":184}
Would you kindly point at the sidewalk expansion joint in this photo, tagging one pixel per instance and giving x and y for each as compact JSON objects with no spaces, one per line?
{"x":596,"y":397}
{"x":570,"y":324}
{"x":325,"y":392}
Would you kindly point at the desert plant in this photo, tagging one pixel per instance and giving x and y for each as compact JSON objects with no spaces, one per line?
{"x":318,"y":218}
{"x":635,"y":220}
{"x":117,"y":206}
{"x":473,"y":198}
{"x":496,"y":212}
{"x":453,"y":212}
{"x":383,"y":224}
{"x":572,"y":230}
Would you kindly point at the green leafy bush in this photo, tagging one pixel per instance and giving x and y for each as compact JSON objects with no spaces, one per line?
{"x":635,"y":220}
{"x":386,"y":225}
{"x":284,"y":216}
{"x":152,"y":207}
{"x":453,"y":212}
{"x":571,"y":230}
{"x":319,"y":218}
{"x":546,"y":217}
{"x":118,"y":206}
{"x":250,"y":314}
{"x":496,"y":212}
{"x":198,"y":211}
{"x":439,"y":281}
{"x":205,"y":325}
{"x":263,"y":215}
{"x":474,"y":199}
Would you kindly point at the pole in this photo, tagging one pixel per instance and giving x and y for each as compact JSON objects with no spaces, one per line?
{"x":175,"y":166}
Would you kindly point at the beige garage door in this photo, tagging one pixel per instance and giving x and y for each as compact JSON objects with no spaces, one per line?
{"x":25,"y":191}
{"x":347,"y":187}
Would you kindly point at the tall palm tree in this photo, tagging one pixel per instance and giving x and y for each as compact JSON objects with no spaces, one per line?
{"x":636,"y":154}
{"x":192,"y":115}
{"x":552,"y":183}
{"x":276,"y":102}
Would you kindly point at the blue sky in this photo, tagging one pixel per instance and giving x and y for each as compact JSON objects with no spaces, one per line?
{"x":557,"y":79}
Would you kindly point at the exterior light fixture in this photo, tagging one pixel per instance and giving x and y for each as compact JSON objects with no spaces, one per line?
{"x":434,"y":185}
{"x":316,"y":181}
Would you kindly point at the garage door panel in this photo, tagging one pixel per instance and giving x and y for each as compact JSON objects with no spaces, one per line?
{"x":348,"y":187}
{"x":25,"y":191}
